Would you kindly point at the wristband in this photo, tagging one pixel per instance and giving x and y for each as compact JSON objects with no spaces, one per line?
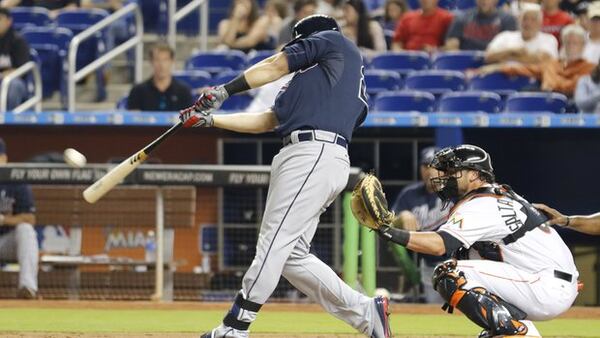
{"x":397,"y":236}
{"x":237,"y":85}
{"x":568,"y":221}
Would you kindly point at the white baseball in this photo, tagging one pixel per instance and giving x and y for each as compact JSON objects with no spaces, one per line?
{"x":74,"y":158}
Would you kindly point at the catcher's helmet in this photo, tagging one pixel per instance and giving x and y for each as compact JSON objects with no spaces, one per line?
{"x":464,"y":156}
{"x":313,"y":24}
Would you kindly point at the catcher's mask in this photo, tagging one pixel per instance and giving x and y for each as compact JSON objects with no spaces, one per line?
{"x":451,"y":161}
{"x":313,"y":24}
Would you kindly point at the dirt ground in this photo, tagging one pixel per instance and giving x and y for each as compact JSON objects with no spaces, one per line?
{"x":575,"y":312}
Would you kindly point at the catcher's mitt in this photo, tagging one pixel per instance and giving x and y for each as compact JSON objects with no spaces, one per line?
{"x":369,"y":205}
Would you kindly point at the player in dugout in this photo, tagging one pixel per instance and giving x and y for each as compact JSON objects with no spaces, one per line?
{"x":509,"y":266}
{"x":315,"y":114}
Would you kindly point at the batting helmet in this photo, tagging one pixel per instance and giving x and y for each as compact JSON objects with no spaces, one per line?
{"x":313,"y":24}
{"x":464,"y":156}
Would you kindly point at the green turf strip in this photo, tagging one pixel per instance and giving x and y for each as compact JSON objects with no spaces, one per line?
{"x":130,"y":321}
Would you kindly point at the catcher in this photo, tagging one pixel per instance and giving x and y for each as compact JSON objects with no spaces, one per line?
{"x":508,"y":267}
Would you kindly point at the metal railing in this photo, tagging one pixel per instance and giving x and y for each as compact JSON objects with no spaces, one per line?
{"x":135,"y":41}
{"x":174,"y":16}
{"x":35,"y":101}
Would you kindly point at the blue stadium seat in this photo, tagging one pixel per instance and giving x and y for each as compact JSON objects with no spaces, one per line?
{"x":445,"y":4}
{"x":379,"y":80}
{"x":404,"y":101}
{"x":435,"y":81}
{"x":460,"y":60}
{"x":259,"y":55}
{"x":30,"y":16}
{"x":402,"y":62}
{"x":91,"y":49}
{"x":122,"y":103}
{"x":225,"y":77}
{"x":237,"y":102}
{"x":216,"y":62}
{"x":194,"y":78}
{"x":502,"y":84}
{"x":532,"y":102}
{"x":470,"y":101}
{"x":52,"y":45}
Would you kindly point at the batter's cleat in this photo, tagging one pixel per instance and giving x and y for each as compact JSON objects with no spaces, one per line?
{"x":383,"y":314}
{"x":26,"y":293}
{"x":225,"y":332}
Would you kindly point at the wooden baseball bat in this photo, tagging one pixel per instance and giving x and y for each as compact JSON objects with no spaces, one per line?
{"x":95,"y":191}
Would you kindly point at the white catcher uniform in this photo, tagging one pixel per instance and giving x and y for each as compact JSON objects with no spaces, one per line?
{"x":536,"y":271}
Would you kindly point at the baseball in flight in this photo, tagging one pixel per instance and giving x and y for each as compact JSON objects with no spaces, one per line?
{"x":74,"y":158}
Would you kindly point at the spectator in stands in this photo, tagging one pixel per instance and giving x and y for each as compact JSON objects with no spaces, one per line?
{"x":422,"y":29}
{"x":333,"y":8}
{"x":592,"y":48}
{"x":18,"y":239}
{"x":515,"y":7}
{"x":475,"y":28}
{"x":53,"y":5}
{"x":418,"y":208}
{"x":581,"y":15}
{"x":244,"y":29}
{"x":392,"y":12}
{"x":366,"y":33}
{"x":571,"y":6}
{"x":275,"y":13}
{"x":587,"y":92}
{"x":554,"y":18}
{"x":556,"y":75}
{"x":161,"y":92}
{"x":302,"y":9}
{"x":14,"y":52}
{"x":526,"y":46}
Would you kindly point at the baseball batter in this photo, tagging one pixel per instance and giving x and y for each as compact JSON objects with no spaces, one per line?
{"x":315,"y":115}
{"x":509,"y":266}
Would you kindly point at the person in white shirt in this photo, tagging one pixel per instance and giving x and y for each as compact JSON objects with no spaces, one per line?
{"x":529,"y":45}
{"x":509,"y":266}
{"x":592,"y":48}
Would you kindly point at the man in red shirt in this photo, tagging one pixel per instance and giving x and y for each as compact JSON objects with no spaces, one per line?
{"x":422,"y":29}
{"x":554,"y":18}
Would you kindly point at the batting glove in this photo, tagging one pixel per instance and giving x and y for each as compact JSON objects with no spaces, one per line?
{"x":212,"y":99}
{"x":192,"y":118}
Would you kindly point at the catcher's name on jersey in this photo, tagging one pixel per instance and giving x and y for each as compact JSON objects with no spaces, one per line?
{"x":496,"y":218}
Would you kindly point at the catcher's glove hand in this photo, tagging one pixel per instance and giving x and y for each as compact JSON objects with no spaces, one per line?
{"x":369,"y":205}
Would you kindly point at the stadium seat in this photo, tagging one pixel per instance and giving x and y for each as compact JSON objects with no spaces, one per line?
{"x":378,"y":80}
{"x":216,"y":62}
{"x":502,"y":84}
{"x":257,"y":56}
{"x":225,"y":77}
{"x":237,"y":102}
{"x":460,"y":60}
{"x":52,"y":45}
{"x":532,"y":102}
{"x":30,"y":16}
{"x":470,"y":101}
{"x":404,"y":101}
{"x":193,"y":78}
{"x":90,"y":49}
{"x":402,"y":62}
{"x":435,"y":81}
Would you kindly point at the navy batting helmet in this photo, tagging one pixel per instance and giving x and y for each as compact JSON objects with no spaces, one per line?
{"x":313,"y":24}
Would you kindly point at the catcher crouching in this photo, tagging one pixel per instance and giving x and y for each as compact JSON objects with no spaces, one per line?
{"x":508,"y":268}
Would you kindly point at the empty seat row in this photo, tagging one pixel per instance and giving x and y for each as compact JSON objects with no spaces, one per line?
{"x":469,"y":101}
{"x":441,"y":81}
{"x":401,"y":62}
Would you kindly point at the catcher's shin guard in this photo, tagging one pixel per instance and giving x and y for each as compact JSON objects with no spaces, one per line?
{"x":482,"y":307}
{"x":242,"y":313}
